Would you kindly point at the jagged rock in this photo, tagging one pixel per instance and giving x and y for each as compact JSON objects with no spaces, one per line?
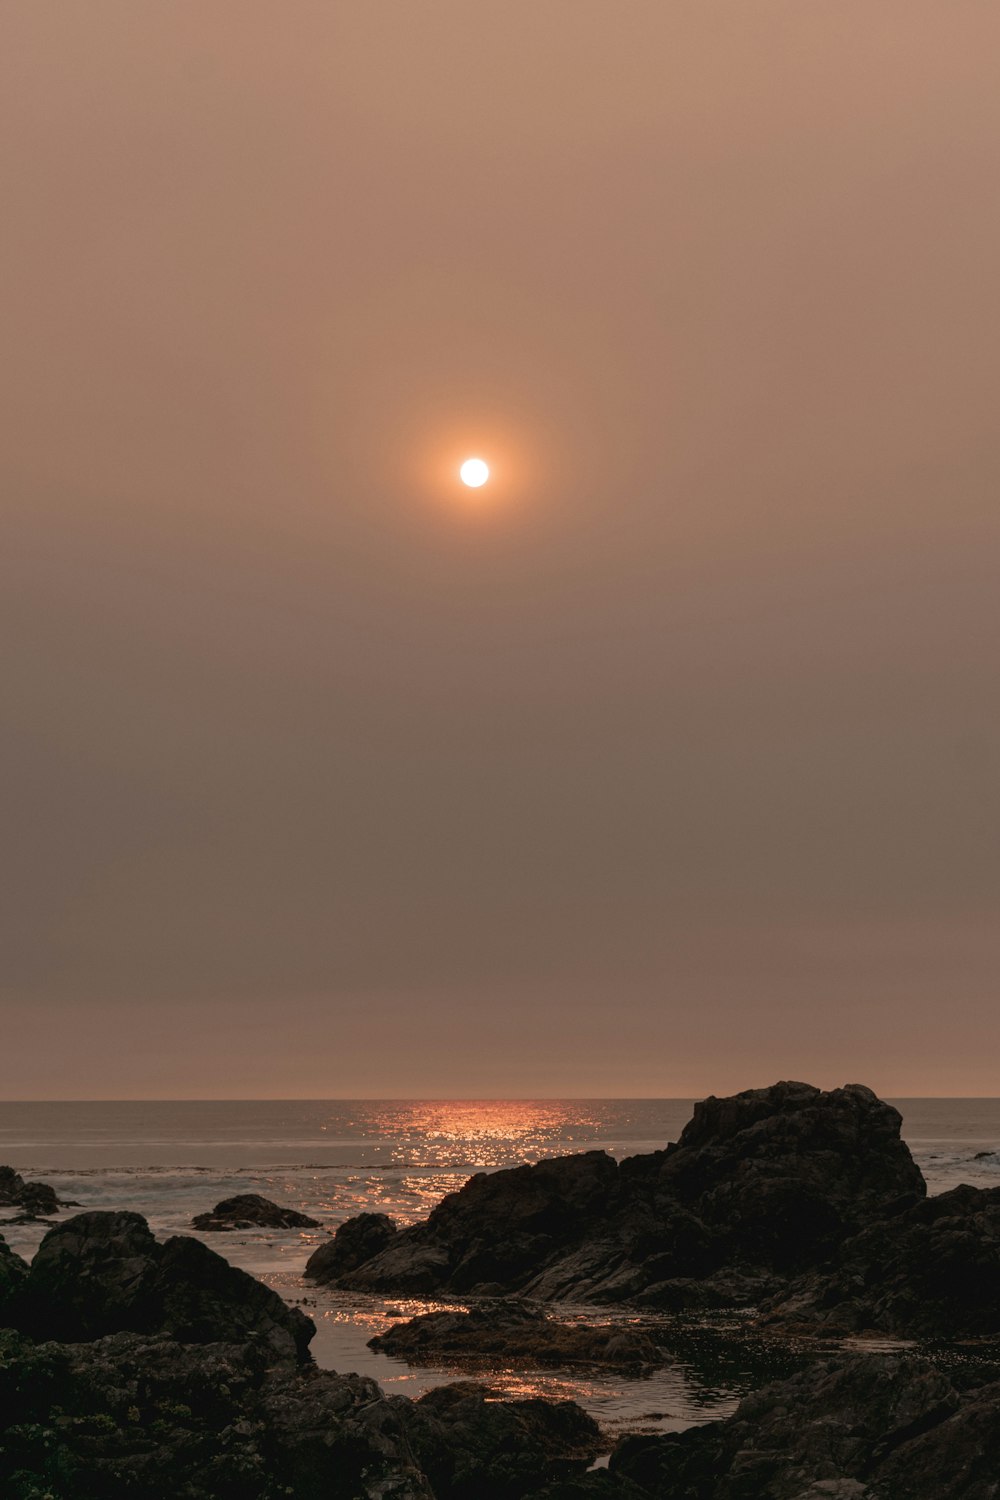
{"x":100,"y":1273}
{"x":759,"y":1185}
{"x":866,"y":1427}
{"x":930,"y":1272}
{"x":356,"y":1241}
{"x":34,"y":1199}
{"x":13,"y":1274}
{"x":132,"y":1415}
{"x":513,"y":1331}
{"x":250,"y":1211}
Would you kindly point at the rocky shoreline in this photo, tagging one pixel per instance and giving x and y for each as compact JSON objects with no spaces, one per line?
{"x":131,"y":1367}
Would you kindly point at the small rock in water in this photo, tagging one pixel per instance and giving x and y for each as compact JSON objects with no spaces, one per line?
{"x":34,"y":1199}
{"x":251,"y":1211}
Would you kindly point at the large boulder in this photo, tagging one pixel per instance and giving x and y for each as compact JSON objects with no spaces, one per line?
{"x":33,"y":1200}
{"x":101,"y":1273}
{"x":512,"y":1331}
{"x":867,"y":1427}
{"x":758,"y":1186}
{"x":356,"y":1241}
{"x":930,"y":1272}
{"x":251,"y":1211}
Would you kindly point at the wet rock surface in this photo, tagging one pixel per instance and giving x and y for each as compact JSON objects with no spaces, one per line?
{"x":515,"y":1331}
{"x":101,"y":1273}
{"x":251,"y":1211}
{"x":758,"y":1186}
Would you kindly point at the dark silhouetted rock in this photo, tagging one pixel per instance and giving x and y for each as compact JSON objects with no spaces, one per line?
{"x":132,"y":1415}
{"x":759,"y":1185}
{"x":512,"y":1331}
{"x":474,"y":1447}
{"x":250,"y":1211}
{"x":13,"y":1275}
{"x":102,"y":1273}
{"x":930,"y":1272}
{"x":356,"y":1241}
{"x":866,"y":1427}
{"x":35,"y":1200}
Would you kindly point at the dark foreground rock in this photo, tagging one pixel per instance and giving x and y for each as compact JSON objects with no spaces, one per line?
{"x":513,"y":1331}
{"x":250,"y":1211}
{"x":134,"y":1416}
{"x":931,"y":1272}
{"x":868,"y":1427}
{"x":103,"y":1273}
{"x":13,"y":1275}
{"x":759,"y":1186}
{"x":32,"y":1200}
{"x":355,"y":1242}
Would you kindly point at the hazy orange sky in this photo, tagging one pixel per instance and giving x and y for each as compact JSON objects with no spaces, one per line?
{"x":667,"y":765}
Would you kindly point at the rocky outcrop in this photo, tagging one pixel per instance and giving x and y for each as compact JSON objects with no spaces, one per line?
{"x":932,"y":1271}
{"x":13,"y":1274}
{"x":250,"y":1211}
{"x":511,"y":1330}
{"x":33,"y":1200}
{"x":759,"y":1186}
{"x":356,"y":1241}
{"x":869,"y":1427}
{"x":102,"y":1273}
{"x":132,"y":1415}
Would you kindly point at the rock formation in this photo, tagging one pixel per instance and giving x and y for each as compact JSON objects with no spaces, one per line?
{"x":932,"y":1271}
{"x":131,"y":1415}
{"x":34,"y":1200}
{"x":355,"y":1242}
{"x":759,"y":1186}
{"x":101,"y":1273}
{"x":867,"y":1427}
{"x":250,"y":1211}
{"x":510,"y":1330}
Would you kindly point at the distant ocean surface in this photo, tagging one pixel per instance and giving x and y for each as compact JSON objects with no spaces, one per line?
{"x":335,"y":1158}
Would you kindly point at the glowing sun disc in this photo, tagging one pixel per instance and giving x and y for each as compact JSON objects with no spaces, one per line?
{"x":474,"y":472}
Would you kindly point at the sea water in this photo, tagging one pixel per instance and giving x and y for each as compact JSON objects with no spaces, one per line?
{"x":169,"y":1160}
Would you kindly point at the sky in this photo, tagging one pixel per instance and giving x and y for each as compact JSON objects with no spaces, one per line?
{"x":666,"y":763}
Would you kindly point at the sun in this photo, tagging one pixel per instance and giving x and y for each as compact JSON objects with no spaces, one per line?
{"x":474,"y":472}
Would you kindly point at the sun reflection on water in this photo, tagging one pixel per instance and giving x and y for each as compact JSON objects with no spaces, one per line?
{"x":480,"y":1133}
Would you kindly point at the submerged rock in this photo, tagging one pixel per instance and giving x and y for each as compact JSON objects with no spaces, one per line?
{"x":250,"y":1211}
{"x":356,"y":1241}
{"x":759,"y":1185}
{"x":930,"y":1272}
{"x":513,"y":1331}
{"x":101,"y":1273}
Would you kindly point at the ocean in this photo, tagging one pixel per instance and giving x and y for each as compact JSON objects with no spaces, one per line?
{"x":169,"y":1160}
